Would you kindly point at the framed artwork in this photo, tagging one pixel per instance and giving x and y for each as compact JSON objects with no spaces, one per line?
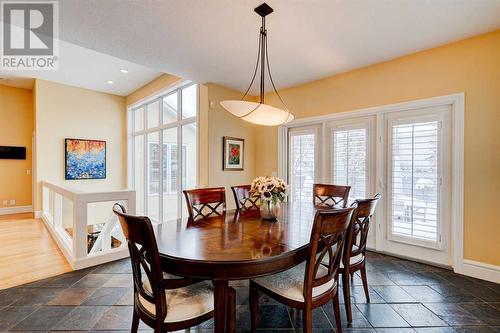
{"x":85,"y":159}
{"x":233,"y":153}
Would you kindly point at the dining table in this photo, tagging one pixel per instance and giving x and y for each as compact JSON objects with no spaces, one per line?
{"x":235,"y":245}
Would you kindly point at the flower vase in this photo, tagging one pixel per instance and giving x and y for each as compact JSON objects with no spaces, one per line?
{"x":269,"y":209}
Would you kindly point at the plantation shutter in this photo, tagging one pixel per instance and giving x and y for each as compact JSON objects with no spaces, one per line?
{"x":415,"y":179}
{"x":302,"y":165}
{"x":350,"y":160}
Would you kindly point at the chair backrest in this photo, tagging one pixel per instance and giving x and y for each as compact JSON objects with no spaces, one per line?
{"x":330,"y":196}
{"x":327,"y":241}
{"x":244,"y":199}
{"x":357,"y":234}
{"x":202,"y":203}
{"x":145,"y":258}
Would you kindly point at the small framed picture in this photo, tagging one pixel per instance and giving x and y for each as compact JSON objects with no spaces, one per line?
{"x":233,"y":153}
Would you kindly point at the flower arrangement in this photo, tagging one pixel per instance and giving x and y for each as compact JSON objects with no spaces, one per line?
{"x":269,"y":189}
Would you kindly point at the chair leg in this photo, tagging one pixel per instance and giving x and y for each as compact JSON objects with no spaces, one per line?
{"x":135,"y":323}
{"x":254,"y":307}
{"x":336,"y":312}
{"x":365,"y":282}
{"x":231,"y":310}
{"x":307,"y":319}
{"x":346,"y":288}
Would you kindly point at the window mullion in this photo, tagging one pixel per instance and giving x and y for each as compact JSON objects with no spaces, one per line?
{"x":160,"y":163}
{"x":179,"y":154}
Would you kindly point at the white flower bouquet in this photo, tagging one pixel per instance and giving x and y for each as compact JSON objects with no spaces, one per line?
{"x":271,"y":189}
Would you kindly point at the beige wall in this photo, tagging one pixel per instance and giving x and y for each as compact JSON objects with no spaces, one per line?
{"x":160,"y":83}
{"x":16,"y":128}
{"x":221,"y":123}
{"x":69,"y":112}
{"x":471,"y":66}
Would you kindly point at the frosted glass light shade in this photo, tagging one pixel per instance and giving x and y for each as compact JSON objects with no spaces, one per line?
{"x":260,"y":114}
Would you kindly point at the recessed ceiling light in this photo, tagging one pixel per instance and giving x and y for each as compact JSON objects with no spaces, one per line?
{"x":110,"y":82}
{"x":124,"y":71}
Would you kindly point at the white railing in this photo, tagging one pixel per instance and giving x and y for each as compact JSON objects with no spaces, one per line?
{"x":83,"y":224}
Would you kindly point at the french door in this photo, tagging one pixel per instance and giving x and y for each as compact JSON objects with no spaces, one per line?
{"x":404,"y":155}
{"x":417,"y":182}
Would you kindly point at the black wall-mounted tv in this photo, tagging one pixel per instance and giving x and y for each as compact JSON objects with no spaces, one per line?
{"x":12,"y":153}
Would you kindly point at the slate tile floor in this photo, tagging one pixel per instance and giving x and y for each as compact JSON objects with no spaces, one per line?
{"x":405,"y":297}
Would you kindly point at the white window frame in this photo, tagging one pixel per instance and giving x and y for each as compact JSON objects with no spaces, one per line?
{"x":179,"y":123}
{"x":456,"y":176}
{"x":410,"y":117}
{"x":315,"y":130}
{"x":367,"y":123}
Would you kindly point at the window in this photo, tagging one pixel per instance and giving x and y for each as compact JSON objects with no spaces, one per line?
{"x":350,"y":160}
{"x":302,"y":164}
{"x":169,"y":168}
{"x":158,"y":128}
{"x":415,"y":179}
{"x":411,"y":153}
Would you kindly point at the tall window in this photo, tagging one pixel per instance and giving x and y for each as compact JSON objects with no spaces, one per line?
{"x":158,"y":128}
{"x":302,"y":164}
{"x":415,"y":179}
{"x":350,"y":160}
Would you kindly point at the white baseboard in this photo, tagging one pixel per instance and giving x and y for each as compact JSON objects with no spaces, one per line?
{"x":16,"y":210}
{"x":38,"y":214}
{"x":480,"y":270}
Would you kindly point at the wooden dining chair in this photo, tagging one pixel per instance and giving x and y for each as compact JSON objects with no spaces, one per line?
{"x":354,"y":257}
{"x":330,"y":196}
{"x":205,"y":202}
{"x":244,"y":200}
{"x":162,"y":301}
{"x":309,"y":284}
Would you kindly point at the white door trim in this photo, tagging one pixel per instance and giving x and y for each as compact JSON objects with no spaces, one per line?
{"x":456,"y":102}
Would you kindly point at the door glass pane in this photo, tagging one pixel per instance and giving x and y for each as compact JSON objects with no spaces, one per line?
{"x":170,"y":194}
{"x":138,"y":119}
{"x":153,"y":112}
{"x":139,"y":158}
{"x":302,"y":166}
{"x":189,"y":102}
{"x":349,"y":160}
{"x":153,"y":185}
{"x":415,"y":180}
{"x":170,"y":108}
{"x":189,"y":159}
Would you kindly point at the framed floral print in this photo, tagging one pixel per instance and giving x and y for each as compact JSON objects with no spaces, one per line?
{"x":233,"y":153}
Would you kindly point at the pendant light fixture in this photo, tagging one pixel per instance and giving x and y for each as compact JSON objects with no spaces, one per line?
{"x":259,"y":112}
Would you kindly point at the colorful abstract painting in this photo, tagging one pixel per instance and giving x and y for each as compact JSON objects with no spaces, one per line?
{"x":85,"y":159}
{"x":233,"y":153}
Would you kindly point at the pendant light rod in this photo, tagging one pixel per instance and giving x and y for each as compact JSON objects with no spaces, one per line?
{"x":262,"y":57}
{"x":263,"y":32}
{"x":259,"y":112}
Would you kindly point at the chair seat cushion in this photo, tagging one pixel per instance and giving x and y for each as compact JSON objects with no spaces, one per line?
{"x":290,"y":283}
{"x":183,"y":303}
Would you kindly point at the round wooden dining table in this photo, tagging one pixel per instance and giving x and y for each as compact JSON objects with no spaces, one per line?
{"x":235,"y":246}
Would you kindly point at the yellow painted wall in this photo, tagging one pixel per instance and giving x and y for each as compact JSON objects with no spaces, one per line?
{"x":471,"y":66}
{"x":68,"y":112}
{"x":160,"y":83}
{"x":221,"y":123}
{"x":16,"y":128}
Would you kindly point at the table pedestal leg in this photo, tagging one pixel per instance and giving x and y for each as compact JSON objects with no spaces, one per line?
{"x":231,"y":310}
{"x":220,"y":311}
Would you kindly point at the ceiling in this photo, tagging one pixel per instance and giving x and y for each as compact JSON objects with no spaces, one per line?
{"x":216,"y":40}
{"x":85,"y":68}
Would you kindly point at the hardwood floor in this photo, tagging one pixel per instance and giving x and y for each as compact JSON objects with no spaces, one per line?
{"x":27,"y":251}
